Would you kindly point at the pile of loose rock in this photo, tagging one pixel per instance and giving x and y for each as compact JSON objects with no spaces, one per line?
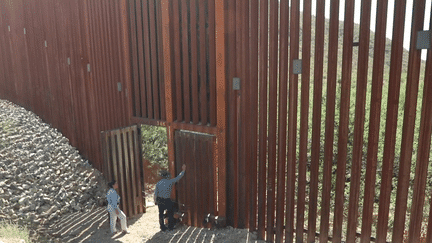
{"x":41,"y":175}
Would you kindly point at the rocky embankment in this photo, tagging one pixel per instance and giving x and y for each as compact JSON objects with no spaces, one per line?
{"x":42,"y":177}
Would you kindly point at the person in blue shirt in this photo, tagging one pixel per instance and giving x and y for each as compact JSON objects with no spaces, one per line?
{"x":113,"y":200}
{"x":162,"y":198}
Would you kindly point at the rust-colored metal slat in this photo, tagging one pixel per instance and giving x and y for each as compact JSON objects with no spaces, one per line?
{"x":202,"y":62}
{"x":391,"y":121}
{"x":189,"y":179}
{"x":236,"y":114}
{"x":153,"y":48}
{"x":244,"y":154}
{"x":212,"y":61}
{"x":282,"y":125}
{"x":199,"y":158}
{"x":273,"y":46}
{"x":194,"y":62}
{"x":140,"y":171}
{"x":330,"y":117}
{"x":316,"y":119}
{"x":221,"y":104}
{"x":185,"y":61}
{"x":140,"y":82}
{"x":374,"y":120}
{"x":98,"y":74}
{"x":121,"y":171}
{"x":412,"y":87}
{"x":147,"y":60}
{"x":177,"y":60}
{"x":110,"y":64}
{"x":344,"y":119}
{"x":124,"y":64}
{"x":253,"y":94}
{"x":136,"y":200}
{"x":182,"y":184}
{"x":114,"y":154}
{"x":304,"y":120}
{"x":160,"y":59}
{"x":133,"y":25}
{"x":263,"y":54}
{"x":362,"y":73}
{"x":129,"y":193}
{"x":428,"y":93}
{"x":292,"y":129}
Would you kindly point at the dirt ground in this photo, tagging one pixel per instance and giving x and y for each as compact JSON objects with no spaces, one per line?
{"x":93,"y":227}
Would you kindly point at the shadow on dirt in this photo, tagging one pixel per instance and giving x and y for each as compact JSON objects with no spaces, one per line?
{"x":80,"y":226}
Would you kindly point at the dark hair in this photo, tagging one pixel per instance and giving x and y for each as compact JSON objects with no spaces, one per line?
{"x":164,"y":174}
{"x":111,"y":184}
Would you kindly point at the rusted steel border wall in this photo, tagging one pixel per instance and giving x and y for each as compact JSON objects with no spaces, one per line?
{"x":66,"y":61}
{"x":327,"y":169}
{"x":70,"y":62}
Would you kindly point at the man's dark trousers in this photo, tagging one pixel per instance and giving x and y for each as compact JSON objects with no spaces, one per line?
{"x":165,"y":204}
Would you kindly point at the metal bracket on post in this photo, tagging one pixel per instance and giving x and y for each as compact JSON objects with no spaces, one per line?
{"x":68,"y":61}
{"x":88,"y":67}
{"x":297,"y":66}
{"x":9,"y":28}
{"x":119,"y":87}
{"x":24,"y":31}
{"x":423,"y":40}
{"x":46,"y":44}
{"x":236,"y":83}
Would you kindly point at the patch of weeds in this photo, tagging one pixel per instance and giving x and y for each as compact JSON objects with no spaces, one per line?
{"x":13,"y":231}
{"x":5,"y":128}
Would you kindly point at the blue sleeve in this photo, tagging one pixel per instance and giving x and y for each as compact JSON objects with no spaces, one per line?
{"x":177,"y":178}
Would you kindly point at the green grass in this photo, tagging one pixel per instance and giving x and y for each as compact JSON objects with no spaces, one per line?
{"x":12,"y":231}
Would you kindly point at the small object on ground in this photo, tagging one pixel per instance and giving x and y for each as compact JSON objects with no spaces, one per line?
{"x":126,"y":231}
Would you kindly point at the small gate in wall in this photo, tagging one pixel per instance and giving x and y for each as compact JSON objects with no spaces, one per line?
{"x":123,"y":162}
{"x":197,"y":190}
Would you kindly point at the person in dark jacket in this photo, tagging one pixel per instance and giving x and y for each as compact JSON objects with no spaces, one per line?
{"x":162,"y":198}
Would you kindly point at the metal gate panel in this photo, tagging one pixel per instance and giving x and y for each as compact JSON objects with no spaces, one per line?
{"x":196,"y":191}
{"x":123,"y":162}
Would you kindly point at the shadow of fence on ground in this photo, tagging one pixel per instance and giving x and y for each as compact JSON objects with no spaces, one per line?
{"x":185,"y":234}
{"x":79,"y":226}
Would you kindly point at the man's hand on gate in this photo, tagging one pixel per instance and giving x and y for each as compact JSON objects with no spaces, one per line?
{"x":184,"y":167}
